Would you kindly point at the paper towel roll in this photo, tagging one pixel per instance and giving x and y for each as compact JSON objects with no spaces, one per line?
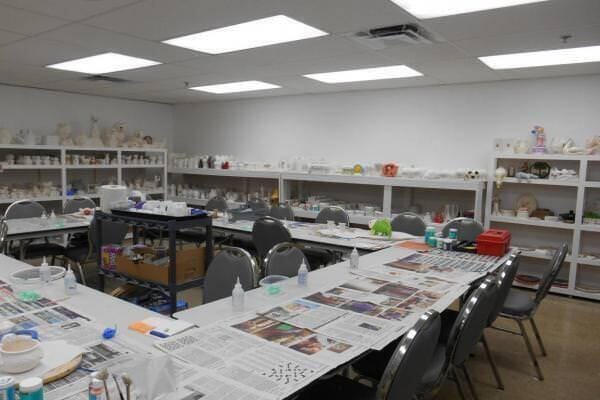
{"x":111,"y":195}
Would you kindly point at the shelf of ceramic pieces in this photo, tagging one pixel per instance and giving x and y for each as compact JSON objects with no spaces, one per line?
{"x":142,"y":166}
{"x":93,"y":166}
{"x":595,"y":262}
{"x":592,"y":185}
{"x":553,"y":289}
{"x":533,"y":222}
{"x":235,"y":173}
{"x":17,"y":167}
{"x":202,"y":202}
{"x":38,"y":199}
{"x":590,"y":227}
{"x":564,"y":157}
{"x":458,"y":184}
{"x":354,"y":218}
{"x":540,"y":255}
{"x":549,"y":182}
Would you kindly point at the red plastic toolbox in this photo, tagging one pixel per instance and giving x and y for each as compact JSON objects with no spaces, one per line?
{"x":494,"y":242}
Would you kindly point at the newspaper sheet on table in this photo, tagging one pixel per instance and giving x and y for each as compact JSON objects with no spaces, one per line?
{"x":268,"y":356}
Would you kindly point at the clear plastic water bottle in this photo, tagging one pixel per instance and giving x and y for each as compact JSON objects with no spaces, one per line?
{"x":45,"y":273}
{"x":237,"y":296}
{"x":354,"y":259}
{"x":303,"y":274}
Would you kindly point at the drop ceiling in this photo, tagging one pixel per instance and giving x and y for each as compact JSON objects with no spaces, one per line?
{"x":36,"y":33}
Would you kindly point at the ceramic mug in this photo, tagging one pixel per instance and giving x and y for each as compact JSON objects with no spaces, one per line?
{"x":19,"y":353}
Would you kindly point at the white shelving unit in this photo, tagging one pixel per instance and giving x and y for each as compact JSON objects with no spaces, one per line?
{"x":63,"y":172}
{"x":564,"y":195}
{"x":385,"y":185}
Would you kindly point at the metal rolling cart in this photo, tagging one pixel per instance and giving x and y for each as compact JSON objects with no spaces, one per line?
{"x":171,"y":225}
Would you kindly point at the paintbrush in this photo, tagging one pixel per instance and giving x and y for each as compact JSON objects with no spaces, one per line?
{"x":103,"y":376}
{"x":118,"y":388}
{"x":127,"y":381}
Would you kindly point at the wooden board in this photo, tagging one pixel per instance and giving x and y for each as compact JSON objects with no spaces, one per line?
{"x":62,"y":370}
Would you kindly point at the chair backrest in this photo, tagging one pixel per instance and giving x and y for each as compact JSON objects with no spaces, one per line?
{"x":216,"y":203}
{"x":468,"y":228}
{"x":266,"y":233}
{"x":112,"y":233}
{"x":284,"y":259}
{"x":333,"y":213}
{"x":471,"y":321}
{"x":230,"y":264}
{"x":281,"y":211}
{"x":410,"y":360}
{"x":3,"y":234}
{"x":256,"y":204}
{"x":548,"y":279}
{"x":77,"y":203}
{"x":24,"y":209}
{"x":504,"y":280}
{"x":410,"y":223}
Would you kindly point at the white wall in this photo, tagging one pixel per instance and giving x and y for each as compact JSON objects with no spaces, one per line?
{"x":441,"y":126}
{"x":41,"y":110}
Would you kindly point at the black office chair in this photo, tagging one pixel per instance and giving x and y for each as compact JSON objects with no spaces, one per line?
{"x":410,"y":223}
{"x":284,"y":259}
{"x":28,"y":248}
{"x":333,"y":213}
{"x":266,"y":233}
{"x":259,"y":206}
{"x":520,"y":306}
{"x":402,"y":374}
{"x":468,"y":228}
{"x":216,"y":203}
{"x":82,"y":253}
{"x":3,"y":235}
{"x":504,"y":280}
{"x":224,"y":270}
{"x":75,"y":204}
{"x":282,"y":212}
{"x":461,"y":331}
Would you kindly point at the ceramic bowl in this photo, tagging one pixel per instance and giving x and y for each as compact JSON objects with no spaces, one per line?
{"x":19,"y":354}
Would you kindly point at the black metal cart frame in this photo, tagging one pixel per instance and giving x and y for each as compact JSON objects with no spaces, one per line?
{"x":169,"y":224}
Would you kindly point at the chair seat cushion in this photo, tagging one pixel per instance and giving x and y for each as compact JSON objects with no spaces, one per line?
{"x":36,"y":250}
{"x":518,"y":303}
{"x":338,"y":387}
{"x":77,"y":254}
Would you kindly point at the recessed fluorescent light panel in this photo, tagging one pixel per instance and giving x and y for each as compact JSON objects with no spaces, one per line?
{"x":544,"y":58}
{"x":103,"y":64}
{"x":236,"y":87}
{"x":247,"y":35}
{"x":366,"y":74}
{"x":424,"y":9}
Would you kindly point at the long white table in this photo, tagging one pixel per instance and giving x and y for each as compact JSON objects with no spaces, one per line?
{"x":312,"y":234}
{"x":33,"y":228}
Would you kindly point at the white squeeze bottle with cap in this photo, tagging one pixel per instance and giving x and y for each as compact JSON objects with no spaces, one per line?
{"x":303,"y":274}
{"x":354,"y":259}
{"x":45,"y":275}
{"x":70,"y":281}
{"x":237,"y":296}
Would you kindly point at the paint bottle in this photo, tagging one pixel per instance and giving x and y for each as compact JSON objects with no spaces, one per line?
{"x":96,"y":390}
{"x":429,"y":232}
{"x":303,"y":274}
{"x":70,"y":282}
{"x":31,"y":389}
{"x":45,"y":274}
{"x":237,"y":296}
{"x":7,"y":388}
{"x":354,"y":259}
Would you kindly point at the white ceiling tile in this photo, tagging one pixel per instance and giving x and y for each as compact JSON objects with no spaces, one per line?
{"x":152,"y":74}
{"x":455,"y":71}
{"x":410,"y":54}
{"x":40,"y":52}
{"x":165,"y":19}
{"x":531,"y":41}
{"x":77,"y":85}
{"x":101,"y":40}
{"x":556,"y":14}
{"x":7,"y":37}
{"x":18,"y":74}
{"x":27,"y":23}
{"x":546,"y":72}
{"x":68,"y":9}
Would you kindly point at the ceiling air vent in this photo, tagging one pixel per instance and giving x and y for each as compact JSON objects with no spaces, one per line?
{"x":104,"y":78}
{"x":381,"y":38}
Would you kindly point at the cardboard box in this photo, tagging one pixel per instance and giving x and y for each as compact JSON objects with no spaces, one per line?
{"x":190,"y":265}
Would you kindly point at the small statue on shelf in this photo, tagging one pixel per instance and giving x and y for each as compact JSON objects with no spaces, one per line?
{"x":540,"y":140}
{"x":115,"y":136}
{"x":63,"y":131}
{"x":94,"y":140}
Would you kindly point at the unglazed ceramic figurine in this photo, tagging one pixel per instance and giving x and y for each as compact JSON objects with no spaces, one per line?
{"x":500,"y":174}
{"x":94,"y":139}
{"x":115,"y":137}
{"x":6,"y":136}
{"x":63,"y":131}
{"x":592,"y":146}
{"x":136,"y":140}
